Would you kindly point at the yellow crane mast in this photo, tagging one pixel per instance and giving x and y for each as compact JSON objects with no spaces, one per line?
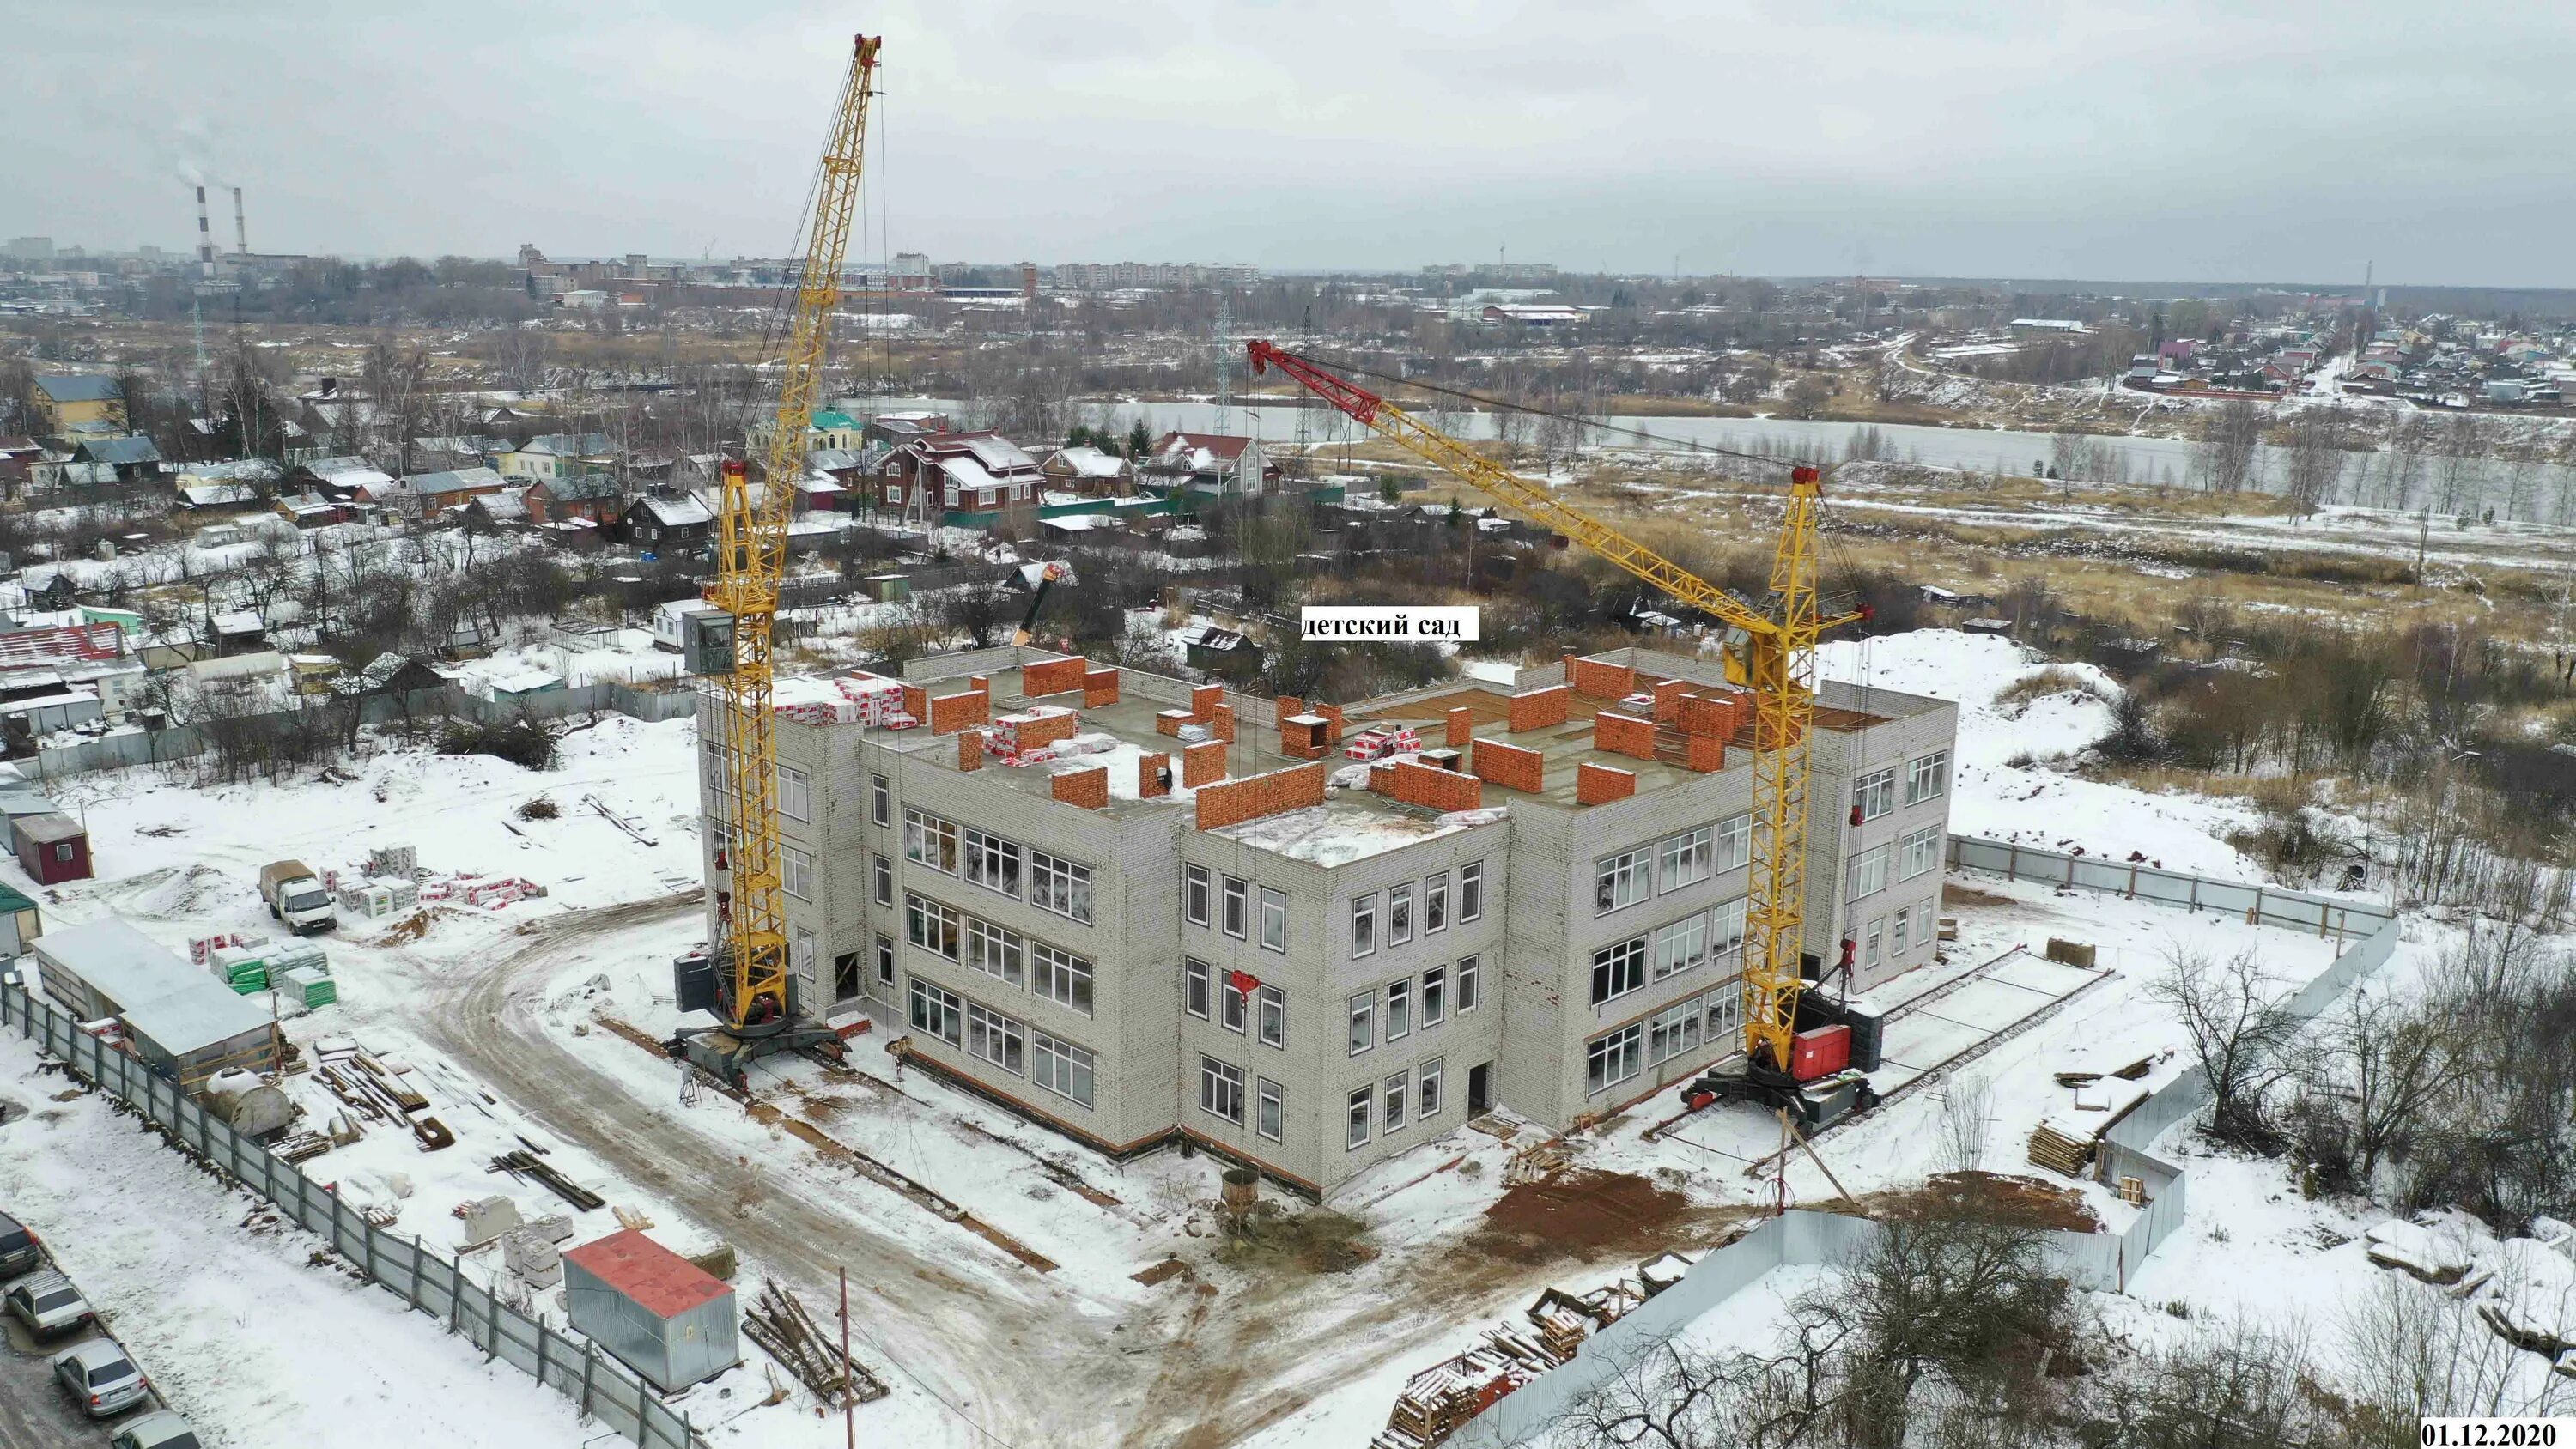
{"x":751,"y":962}
{"x":1777,"y":663}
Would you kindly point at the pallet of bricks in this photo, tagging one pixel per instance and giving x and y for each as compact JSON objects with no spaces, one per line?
{"x":486,"y":892}
{"x":389,"y":885}
{"x":867,"y":699}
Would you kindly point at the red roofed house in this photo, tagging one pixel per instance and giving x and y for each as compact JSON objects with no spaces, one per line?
{"x":955,"y":472}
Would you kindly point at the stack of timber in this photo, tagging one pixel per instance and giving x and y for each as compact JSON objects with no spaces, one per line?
{"x":780,"y":1325}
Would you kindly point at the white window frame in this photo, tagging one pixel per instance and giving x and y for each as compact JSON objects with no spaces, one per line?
{"x":1622,"y":879}
{"x":1274,"y":920}
{"x":1059,"y":886}
{"x":1363,"y":1018}
{"x":795,"y":793}
{"x":1394,"y":1108}
{"x":1060,"y":976}
{"x":1873,"y":942}
{"x":1469,"y":968}
{"x":1197,"y":980}
{"x":929,"y":840}
{"x":1364,"y":925}
{"x":885,"y":960}
{"x":1725,"y":1012}
{"x":1726,"y":929}
{"x":933,"y":927}
{"x":996,"y":951}
{"x":880,"y":800}
{"x":1621,"y":966}
{"x":992,"y":861}
{"x":938,"y":1011}
{"x":1874,"y":794}
{"x":1198,"y":895}
{"x":995,"y":1039}
{"x":1927,"y":777}
{"x":1061,"y":1067}
{"x":1270,"y":1111}
{"x":1435,"y":903}
{"x":1221,"y":1089}
{"x":1234,"y":1010}
{"x":1684,"y":859}
{"x":1613,"y":1058}
{"x":1270,"y":1014}
{"x":1356,"y":1116}
{"x":1918,"y":851}
{"x":1471,"y":892}
{"x":796,"y":872}
{"x":1674,"y":1031}
{"x":1399,"y":914}
{"x":1234,"y":908}
{"x":881,"y":873}
{"x":1427,"y":1095}
{"x":1680,"y":945}
{"x":1399,"y":1009}
{"x":1435,"y":997}
{"x":1866,"y":876}
{"x":1898,"y":924}
{"x":1733,"y":848}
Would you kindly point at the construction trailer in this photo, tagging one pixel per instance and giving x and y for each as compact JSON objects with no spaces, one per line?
{"x":181,"y":1021}
{"x":657,"y":1312}
{"x":53,"y":848}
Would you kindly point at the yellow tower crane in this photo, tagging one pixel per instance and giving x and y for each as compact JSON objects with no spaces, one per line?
{"x":1776,"y":661}
{"x":750,"y":966}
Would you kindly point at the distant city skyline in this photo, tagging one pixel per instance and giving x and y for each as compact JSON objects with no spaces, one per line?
{"x":2007,"y":140}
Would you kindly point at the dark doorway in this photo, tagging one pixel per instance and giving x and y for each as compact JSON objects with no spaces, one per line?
{"x":1480,"y":1089}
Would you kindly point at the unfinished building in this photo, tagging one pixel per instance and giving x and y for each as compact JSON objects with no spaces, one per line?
{"x":1307,"y":935}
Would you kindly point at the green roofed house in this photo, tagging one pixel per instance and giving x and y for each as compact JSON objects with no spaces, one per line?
{"x":833,"y":429}
{"x":20,"y":922}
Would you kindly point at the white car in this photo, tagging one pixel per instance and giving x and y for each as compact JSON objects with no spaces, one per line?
{"x":100,"y":1378}
{"x":47,"y":1303}
{"x":162,"y":1430}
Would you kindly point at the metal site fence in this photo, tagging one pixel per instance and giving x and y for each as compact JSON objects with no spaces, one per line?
{"x":2101,"y":1262}
{"x":420,"y":1276}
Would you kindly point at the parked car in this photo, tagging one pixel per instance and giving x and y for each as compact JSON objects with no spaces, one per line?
{"x":296,"y":896}
{"x":21,"y":1251}
{"x":162,"y":1430}
{"x":47,"y":1303}
{"x":100,"y":1378}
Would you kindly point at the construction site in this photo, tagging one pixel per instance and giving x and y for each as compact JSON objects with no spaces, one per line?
{"x":1006,"y":1045}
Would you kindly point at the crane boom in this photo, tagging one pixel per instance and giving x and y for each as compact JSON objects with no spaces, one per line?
{"x":1779,"y":666}
{"x":751,"y":555}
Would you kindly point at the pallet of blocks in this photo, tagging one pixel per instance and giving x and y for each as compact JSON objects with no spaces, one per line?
{"x":311,"y":985}
{"x":243,"y":968}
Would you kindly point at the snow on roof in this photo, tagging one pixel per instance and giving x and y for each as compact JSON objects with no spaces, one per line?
{"x":332,"y":470}
{"x":1337,"y":833}
{"x":999,"y":453}
{"x":1089,"y":462}
{"x":676,"y":512}
{"x":216,"y":495}
{"x":455,"y":480}
{"x":113,"y":959}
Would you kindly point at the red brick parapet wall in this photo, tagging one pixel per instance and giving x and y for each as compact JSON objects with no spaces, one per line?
{"x":1037,"y":732}
{"x":1539,"y":708}
{"x":1620,"y":734}
{"x":1231,"y":802}
{"x":1461,"y":728}
{"x":1054,"y":676}
{"x":1600,"y":784}
{"x":1599,"y":678}
{"x":1086,"y":788}
{"x":957,"y":711}
{"x":970,"y":749}
{"x":1427,"y":785}
{"x":1509,"y":766}
{"x":1099,"y":687}
{"x":1202,"y":763}
{"x":1150,"y":779}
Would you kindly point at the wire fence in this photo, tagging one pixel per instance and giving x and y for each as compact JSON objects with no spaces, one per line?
{"x":417,"y":1274}
{"x":2103,"y":1262}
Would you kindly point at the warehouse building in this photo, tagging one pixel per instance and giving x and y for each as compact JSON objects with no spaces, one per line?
{"x":1310,"y":936}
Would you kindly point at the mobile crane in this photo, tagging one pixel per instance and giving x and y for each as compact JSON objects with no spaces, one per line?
{"x":745,"y":980}
{"x":1774,"y":656}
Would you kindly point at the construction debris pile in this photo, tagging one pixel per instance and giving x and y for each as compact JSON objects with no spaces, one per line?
{"x":2067,"y":1138}
{"x":378,"y":1090}
{"x":1434,"y":1403}
{"x":2524,"y":1288}
{"x":780,"y":1324}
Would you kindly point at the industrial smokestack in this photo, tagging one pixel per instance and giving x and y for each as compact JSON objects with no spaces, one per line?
{"x":205,"y":240}
{"x":241,"y":229}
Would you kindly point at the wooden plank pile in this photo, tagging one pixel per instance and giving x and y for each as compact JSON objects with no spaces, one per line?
{"x":2059,"y":1152}
{"x":374,"y":1088}
{"x":525,"y":1167}
{"x":787,"y":1332}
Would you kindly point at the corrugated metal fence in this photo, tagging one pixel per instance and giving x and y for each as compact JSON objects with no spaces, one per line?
{"x":2099,"y":1261}
{"x":426,"y":1279}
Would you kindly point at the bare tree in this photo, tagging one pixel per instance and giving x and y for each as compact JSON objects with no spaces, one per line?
{"x":2241,"y":1034}
{"x":1967,"y":1113}
{"x":2316,"y":458}
{"x":2413,"y":1351}
{"x":2224,"y":456}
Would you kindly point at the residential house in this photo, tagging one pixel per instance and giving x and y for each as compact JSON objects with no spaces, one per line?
{"x":598,"y":497}
{"x":833,"y":429}
{"x":210,"y":498}
{"x":1088,"y":472}
{"x":507,"y":508}
{"x":131,"y":455}
{"x":1220,"y":650}
{"x":312,"y":510}
{"x":1209,"y":463}
{"x":435,"y":493}
{"x":976,"y":472}
{"x":343,"y":478}
{"x":559,"y":455}
{"x":896,"y":429}
{"x":57,"y":676}
{"x":69,"y":400}
{"x":18,"y":457}
{"x":667,"y":520}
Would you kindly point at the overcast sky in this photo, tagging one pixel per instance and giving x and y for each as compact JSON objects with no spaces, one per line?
{"x":2159,"y":141}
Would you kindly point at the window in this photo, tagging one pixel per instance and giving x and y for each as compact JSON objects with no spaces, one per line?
{"x":1726,"y":930}
{"x":1196,"y":889}
{"x":1621,"y":880}
{"x":993,"y":951}
{"x":1427,"y":1088}
{"x":1725,"y":1013}
{"x":1927,"y":778}
{"x":992,"y":862}
{"x":1363,"y":1011}
{"x":1271,"y":1010}
{"x":1194,"y":988}
{"x":880,"y":800}
{"x":1221,"y":1090}
{"x":1062,"y":977}
{"x":1233,"y":1010}
{"x":1471,"y":892}
{"x":1435,"y":903}
{"x":795,"y":794}
{"x":1235,"y":892}
{"x":1871,"y":942}
{"x":1435,"y":996}
{"x":1399,"y":914}
{"x":994,"y":1038}
{"x":1681,"y":945}
{"x":1612,"y":1059}
{"x":1868,"y":874}
{"x":1060,"y":1067}
{"x":930,"y":841}
{"x":801,"y":954}
{"x":1918,"y":851}
{"x":1399,"y":1009}
{"x":937,"y":1013}
{"x":845,"y":976}
{"x":884,"y":877}
{"x":1467,"y":983}
{"x":1274,"y":920}
{"x":1364,"y":924}
{"x":885,"y":960}
{"x":1618,"y":969}
{"x":1684,"y":859}
{"x":1674,"y":1032}
{"x":795,"y":872}
{"x":1896,"y":930}
{"x":1391,"y":1114}
{"x":930,"y":925}
{"x":1734,"y":844}
{"x":712,"y":758}
{"x":1059,"y":885}
{"x":1358,"y":1134}
{"x":1271,"y":1117}
{"x":1874,"y":794}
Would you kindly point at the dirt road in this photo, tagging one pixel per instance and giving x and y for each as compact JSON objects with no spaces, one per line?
{"x":1029,"y":1358}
